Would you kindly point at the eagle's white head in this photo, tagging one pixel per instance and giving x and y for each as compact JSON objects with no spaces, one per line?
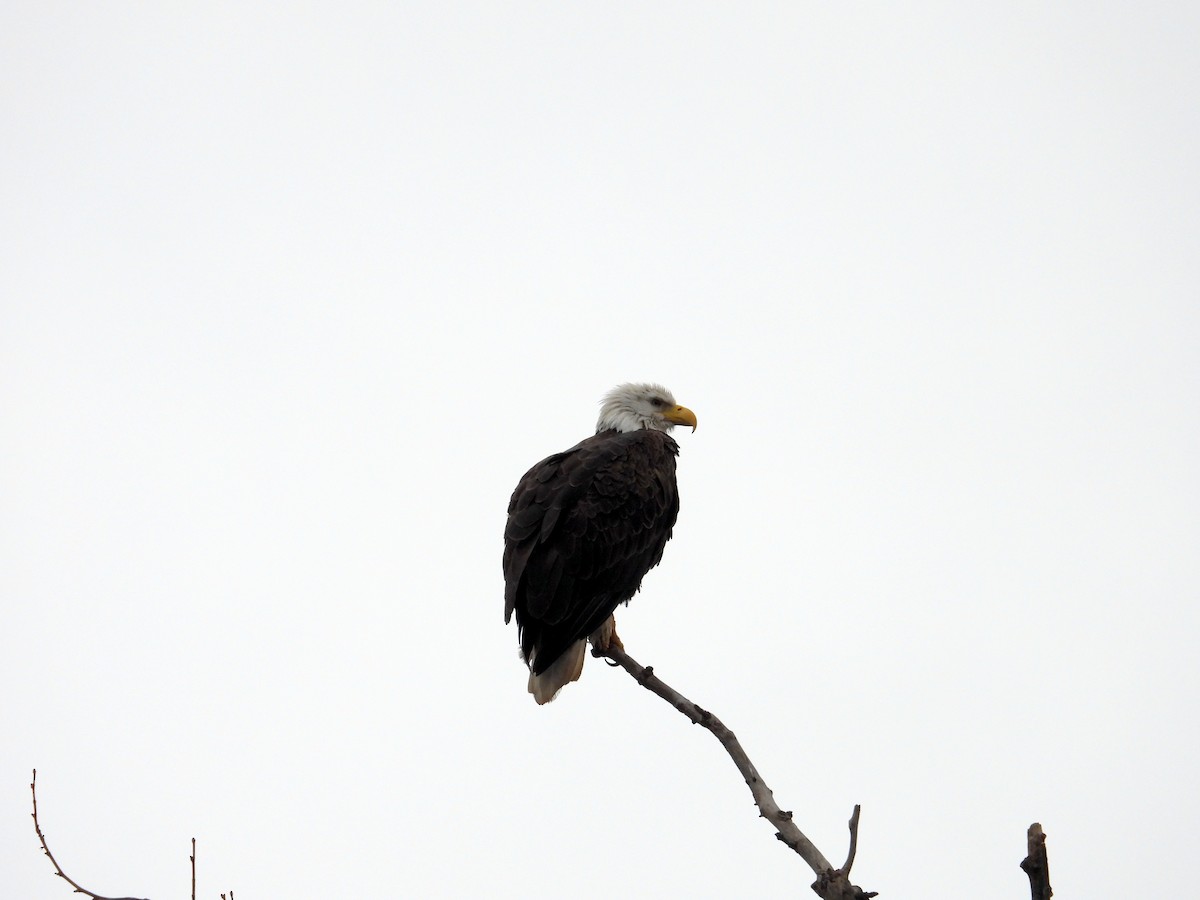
{"x":632,"y":407}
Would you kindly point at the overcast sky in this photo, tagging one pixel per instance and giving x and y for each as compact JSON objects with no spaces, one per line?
{"x":294,"y":293}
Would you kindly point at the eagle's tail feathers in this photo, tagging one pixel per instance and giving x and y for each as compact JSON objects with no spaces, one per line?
{"x":562,"y":671}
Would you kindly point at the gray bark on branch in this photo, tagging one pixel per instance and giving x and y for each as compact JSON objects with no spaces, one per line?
{"x":831,"y":883}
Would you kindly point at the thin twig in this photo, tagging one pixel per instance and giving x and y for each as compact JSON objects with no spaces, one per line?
{"x":853,"y":840}
{"x":46,"y":848}
{"x":831,"y":884}
{"x":193,"y":859}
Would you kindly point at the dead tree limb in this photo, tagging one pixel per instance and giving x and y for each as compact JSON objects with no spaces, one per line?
{"x":1036,"y":864}
{"x":46,"y":849}
{"x":831,"y":883}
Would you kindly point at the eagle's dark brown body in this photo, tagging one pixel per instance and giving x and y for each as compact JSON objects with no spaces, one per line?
{"x":584,"y":527}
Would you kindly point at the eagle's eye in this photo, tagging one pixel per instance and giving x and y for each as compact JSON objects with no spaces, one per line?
{"x":657,"y":401}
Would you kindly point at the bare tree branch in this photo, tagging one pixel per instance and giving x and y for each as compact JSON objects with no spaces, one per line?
{"x":46,"y":848}
{"x":831,"y":883}
{"x":846,"y":866}
{"x":1036,"y":864}
{"x":193,"y":859}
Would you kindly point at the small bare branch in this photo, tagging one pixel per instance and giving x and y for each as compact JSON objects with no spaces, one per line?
{"x":853,"y":840}
{"x":1036,"y":864}
{"x":831,"y":884}
{"x":46,"y":849}
{"x":193,"y":859}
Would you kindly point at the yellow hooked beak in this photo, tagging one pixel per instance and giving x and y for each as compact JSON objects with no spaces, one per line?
{"x":680,"y":415}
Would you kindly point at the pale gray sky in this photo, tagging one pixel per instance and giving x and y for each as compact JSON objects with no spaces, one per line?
{"x":294,"y":293}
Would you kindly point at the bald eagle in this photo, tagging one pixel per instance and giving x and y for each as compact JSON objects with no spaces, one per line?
{"x":584,"y":527}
